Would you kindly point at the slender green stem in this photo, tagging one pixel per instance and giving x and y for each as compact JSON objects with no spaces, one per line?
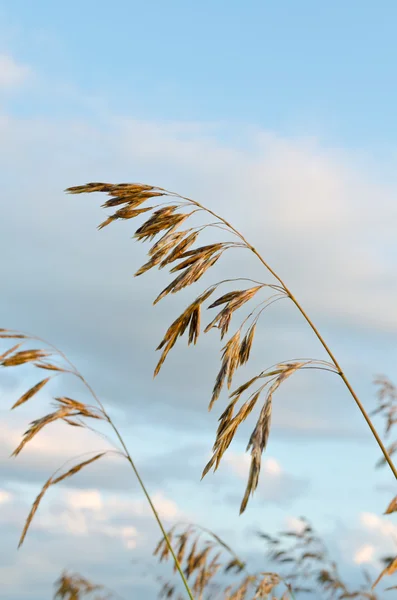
{"x":155,"y":513}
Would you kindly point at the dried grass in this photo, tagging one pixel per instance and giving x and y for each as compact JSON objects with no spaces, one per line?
{"x":176,"y":246}
{"x":204,"y":556}
{"x":76,"y":414}
{"x":301,"y":558}
{"x":72,"y":586}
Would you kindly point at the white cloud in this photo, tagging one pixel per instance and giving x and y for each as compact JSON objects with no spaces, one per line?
{"x":89,"y":499}
{"x":272,"y":466}
{"x":275,"y":485}
{"x":240,"y":464}
{"x":5,"y":497}
{"x":88,"y":513}
{"x":166,"y":508}
{"x":365,"y":554}
{"x":377,"y":524}
{"x":12,"y":74}
{"x":368,"y":543}
{"x":295,"y":524}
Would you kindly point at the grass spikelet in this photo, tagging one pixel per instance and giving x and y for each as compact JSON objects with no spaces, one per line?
{"x":38,"y":425}
{"x":199,"y":254}
{"x":49,"y":367}
{"x":161,"y":220}
{"x":230,"y":361}
{"x":267,"y":585}
{"x":180,"y":248}
{"x":167,"y":249}
{"x":168,"y":242}
{"x":191,"y":560}
{"x":30,"y":393}
{"x":190,"y":317}
{"x":189,"y":276}
{"x":49,"y":482}
{"x":246,"y":345}
{"x":392,"y":506}
{"x":127,"y":212}
{"x":9,"y":351}
{"x":181,"y":548}
{"x":74,"y":586}
{"x":153,"y":262}
{"x":227,"y":429}
{"x":12,"y":336}
{"x":78,"y":468}
{"x":33,"y":510}
{"x":23,"y":356}
{"x":260,"y":434}
{"x":389,"y":570}
{"x":233,"y":301}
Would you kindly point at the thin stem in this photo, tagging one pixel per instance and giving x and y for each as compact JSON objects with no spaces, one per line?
{"x":155,"y":513}
{"x":267,"y":303}
{"x":336,"y":363}
{"x":314,"y":329}
{"x":128,"y":457}
{"x":275,"y":287}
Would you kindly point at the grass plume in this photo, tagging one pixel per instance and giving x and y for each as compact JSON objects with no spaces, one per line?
{"x":176,"y":245}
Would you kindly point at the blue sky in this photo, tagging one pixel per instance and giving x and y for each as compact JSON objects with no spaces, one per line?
{"x":283,"y":66}
{"x":281,"y":116}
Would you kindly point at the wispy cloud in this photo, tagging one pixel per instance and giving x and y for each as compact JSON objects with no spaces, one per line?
{"x":12,"y":73}
{"x":365,"y":554}
{"x":275,"y":485}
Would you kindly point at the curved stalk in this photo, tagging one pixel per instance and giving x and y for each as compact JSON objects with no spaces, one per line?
{"x":126,"y":454}
{"x":313,"y":327}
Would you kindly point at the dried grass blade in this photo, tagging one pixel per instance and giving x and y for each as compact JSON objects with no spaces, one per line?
{"x":389,"y":570}
{"x":194,"y":330}
{"x":191,"y":316}
{"x":23,"y":357}
{"x":180,"y":248}
{"x":37,"y":425}
{"x":72,"y":422}
{"x":49,"y":367}
{"x":10,"y":351}
{"x":230,"y":358}
{"x":78,"y":468}
{"x":167,"y":241}
{"x":194,"y":256}
{"x":70,"y":402}
{"x":13,"y":336}
{"x":33,"y":511}
{"x":189,"y":276}
{"x":246,"y":345}
{"x":153,"y":262}
{"x":392,"y":507}
{"x":258,"y":441}
{"x":108,"y":187}
{"x":31,"y":392}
